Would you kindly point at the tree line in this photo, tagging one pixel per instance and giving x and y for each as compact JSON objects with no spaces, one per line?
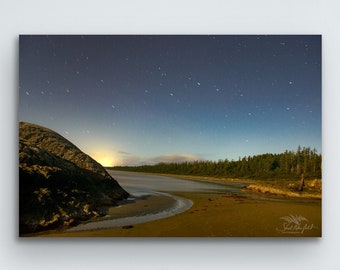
{"x":288,"y":165}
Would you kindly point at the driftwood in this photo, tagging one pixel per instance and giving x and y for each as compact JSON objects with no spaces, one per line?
{"x":302,"y":182}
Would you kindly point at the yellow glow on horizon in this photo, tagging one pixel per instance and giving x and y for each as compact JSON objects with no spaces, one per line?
{"x":104,"y":159}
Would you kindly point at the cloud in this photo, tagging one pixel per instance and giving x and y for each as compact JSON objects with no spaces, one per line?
{"x":124,"y":153}
{"x":130,"y":159}
{"x":176,"y":158}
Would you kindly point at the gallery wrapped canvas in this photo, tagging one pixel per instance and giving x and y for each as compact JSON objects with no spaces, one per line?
{"x":170,"y":136}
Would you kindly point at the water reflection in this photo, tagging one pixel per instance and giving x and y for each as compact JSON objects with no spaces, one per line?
{"x":141,"y":186}
{"x":141,"y":182}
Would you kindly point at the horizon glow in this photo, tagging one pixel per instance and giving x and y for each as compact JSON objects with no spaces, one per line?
{"x":132,"y":100}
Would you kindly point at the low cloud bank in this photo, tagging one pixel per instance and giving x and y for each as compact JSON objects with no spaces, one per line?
{"x":175,"y":158}
{"x":129,"y":159}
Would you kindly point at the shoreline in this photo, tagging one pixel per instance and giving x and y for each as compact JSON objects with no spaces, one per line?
{"x":266,"y":187}
{"x":220,"y":215}
{"x":194,"y":177}
{"x":141,"y":209}
{"x":158,"y":207}
{"x":267,"y":190}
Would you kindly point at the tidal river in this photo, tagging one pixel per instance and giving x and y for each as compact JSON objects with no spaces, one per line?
{"x":151,"y":198}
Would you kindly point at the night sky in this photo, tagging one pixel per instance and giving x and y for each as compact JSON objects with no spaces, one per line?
{"x":131,"y":100}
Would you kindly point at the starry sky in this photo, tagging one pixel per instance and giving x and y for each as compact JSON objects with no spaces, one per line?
{"x":134,"y":99}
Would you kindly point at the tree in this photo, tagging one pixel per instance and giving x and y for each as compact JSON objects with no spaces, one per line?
{"x":287,"y":165}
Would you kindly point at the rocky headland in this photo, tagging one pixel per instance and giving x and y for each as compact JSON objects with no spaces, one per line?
{"x":59,"y":185}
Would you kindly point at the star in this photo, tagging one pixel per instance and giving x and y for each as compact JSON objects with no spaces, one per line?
{"x":204,"y":90}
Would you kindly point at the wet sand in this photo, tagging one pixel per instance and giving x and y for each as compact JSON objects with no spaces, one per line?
{"x":138,"y":211}
{"x":220,"y":208}
{"x":224,"y":215}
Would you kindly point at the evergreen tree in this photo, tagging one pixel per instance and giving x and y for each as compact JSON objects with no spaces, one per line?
{"x":287,"y":165}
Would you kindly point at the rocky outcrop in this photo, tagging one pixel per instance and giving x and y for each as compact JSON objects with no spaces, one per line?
{"x":59,"y":185}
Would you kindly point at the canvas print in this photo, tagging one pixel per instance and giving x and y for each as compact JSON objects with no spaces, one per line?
{"x":170,"y":136}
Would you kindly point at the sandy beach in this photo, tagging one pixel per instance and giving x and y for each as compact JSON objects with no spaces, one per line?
{"x":223,"y":215}
{"x":217,"y":209}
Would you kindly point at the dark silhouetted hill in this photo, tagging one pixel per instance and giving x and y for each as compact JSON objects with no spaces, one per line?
{"x":59,"y":185}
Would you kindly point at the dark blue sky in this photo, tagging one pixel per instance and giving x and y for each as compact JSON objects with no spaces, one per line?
{"x":128,"y":100}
